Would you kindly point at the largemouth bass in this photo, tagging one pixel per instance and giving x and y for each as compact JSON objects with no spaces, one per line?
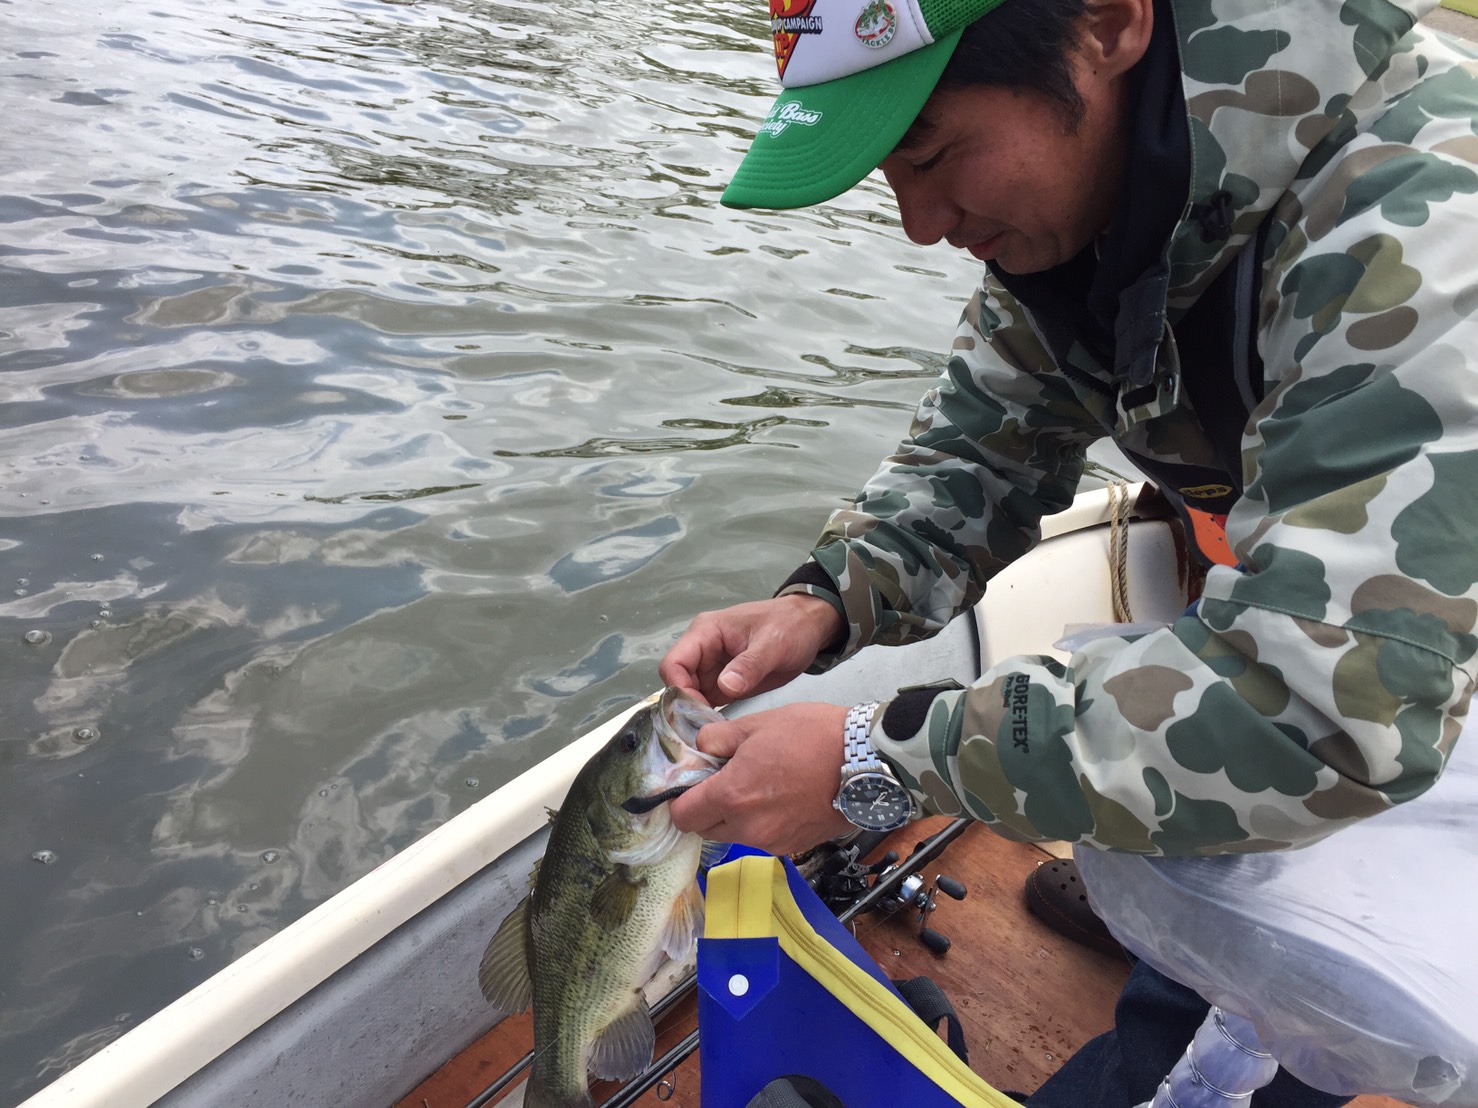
{"x":614,"y":893}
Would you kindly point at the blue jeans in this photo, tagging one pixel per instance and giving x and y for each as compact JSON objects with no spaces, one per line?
{"x":1153,"y":1021}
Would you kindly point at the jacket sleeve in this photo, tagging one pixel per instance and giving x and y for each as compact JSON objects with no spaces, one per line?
{"x":996,"y":445}
{"x":1329,"y":679}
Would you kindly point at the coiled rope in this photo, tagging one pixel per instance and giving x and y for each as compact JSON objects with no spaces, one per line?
{"x":1120,"y":505}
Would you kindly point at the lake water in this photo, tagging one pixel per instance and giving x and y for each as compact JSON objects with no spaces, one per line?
{"x":383,"y":389}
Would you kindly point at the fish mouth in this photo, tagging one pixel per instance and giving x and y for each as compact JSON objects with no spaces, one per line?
{"x":678,"y":719}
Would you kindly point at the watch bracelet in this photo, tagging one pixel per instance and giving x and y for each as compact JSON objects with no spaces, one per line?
{"x":858,"y":750}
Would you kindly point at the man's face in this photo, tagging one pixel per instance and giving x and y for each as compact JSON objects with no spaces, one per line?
{"x":1007,"y":177}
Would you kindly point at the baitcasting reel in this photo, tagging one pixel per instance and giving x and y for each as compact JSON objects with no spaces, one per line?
{"x":915,"y":895}
{"x":843,"y":881}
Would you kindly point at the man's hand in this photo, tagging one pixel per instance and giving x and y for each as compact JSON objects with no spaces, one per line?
{"x":750,"y":648}
{"x":775,"y":793}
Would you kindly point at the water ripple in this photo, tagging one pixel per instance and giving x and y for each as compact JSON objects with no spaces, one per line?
{"x":383,"y":387}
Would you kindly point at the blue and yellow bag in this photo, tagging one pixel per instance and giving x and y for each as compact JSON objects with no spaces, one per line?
{"x":785,"y":989}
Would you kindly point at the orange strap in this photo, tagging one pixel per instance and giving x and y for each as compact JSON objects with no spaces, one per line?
{"x":1209,"y":532}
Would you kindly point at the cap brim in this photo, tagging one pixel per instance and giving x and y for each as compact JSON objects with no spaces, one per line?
{"x":859,"y":120}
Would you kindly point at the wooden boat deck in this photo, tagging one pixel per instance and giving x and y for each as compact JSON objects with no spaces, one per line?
{"x":1027,"y":997}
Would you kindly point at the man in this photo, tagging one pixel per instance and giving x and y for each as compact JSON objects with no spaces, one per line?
{"x":1237,"y":239}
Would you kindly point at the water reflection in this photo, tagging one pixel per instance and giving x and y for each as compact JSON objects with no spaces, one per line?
{"x":619,"y":554}
{"x":383,"y":388}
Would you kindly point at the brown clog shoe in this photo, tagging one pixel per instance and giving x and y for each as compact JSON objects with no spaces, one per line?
{"x":1055,"y":895}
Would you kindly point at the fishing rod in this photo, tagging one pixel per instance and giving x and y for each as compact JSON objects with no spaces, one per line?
{"x":887,"y":885}
{"x":679,"y":990}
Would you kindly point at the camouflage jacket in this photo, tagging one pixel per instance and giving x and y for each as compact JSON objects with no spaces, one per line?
{"x":1327,"y":681}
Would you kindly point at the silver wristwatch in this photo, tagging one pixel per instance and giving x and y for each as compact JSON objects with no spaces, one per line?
{"x":870,"y":796}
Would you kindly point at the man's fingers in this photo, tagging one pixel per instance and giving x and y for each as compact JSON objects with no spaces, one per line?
{"x":675,"y":673}
{"x":700,"y":809}
{"x":682,"y":666}
{"x":748,"y":671}
{"x":681,"y":679}
{"x":721,"y":739}
{"x":733,"y":682}
{"x":696,"y":660}
{"x":691,"y":812}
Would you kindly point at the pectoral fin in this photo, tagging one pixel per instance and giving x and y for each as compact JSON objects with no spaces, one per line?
{"x":713,"y":853}
{"x":624,"y":1048}
{"x":616,"y":898}
{"x":503,"y":974}
{"x":684,"y":925}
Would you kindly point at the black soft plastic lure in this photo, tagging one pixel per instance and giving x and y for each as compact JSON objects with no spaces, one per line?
{"x":641,"y":805}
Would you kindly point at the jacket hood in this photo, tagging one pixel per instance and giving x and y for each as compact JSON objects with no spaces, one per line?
{"x":1265,"y":85}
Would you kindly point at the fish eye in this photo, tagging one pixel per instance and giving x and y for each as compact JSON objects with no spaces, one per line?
{"x":629,"y":741}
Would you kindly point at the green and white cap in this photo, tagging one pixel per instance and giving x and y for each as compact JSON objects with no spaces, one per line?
{"x":856,"y":73}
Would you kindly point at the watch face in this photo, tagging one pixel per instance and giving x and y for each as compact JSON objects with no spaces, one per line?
{"x":874,"y":801}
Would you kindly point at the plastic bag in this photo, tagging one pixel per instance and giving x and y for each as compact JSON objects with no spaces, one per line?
{"x":1354,"y":958}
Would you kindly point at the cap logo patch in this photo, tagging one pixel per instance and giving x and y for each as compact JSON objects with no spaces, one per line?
{"x":783,"y":115}
{"x":789,"y":20}
{"x":877,"y":24}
